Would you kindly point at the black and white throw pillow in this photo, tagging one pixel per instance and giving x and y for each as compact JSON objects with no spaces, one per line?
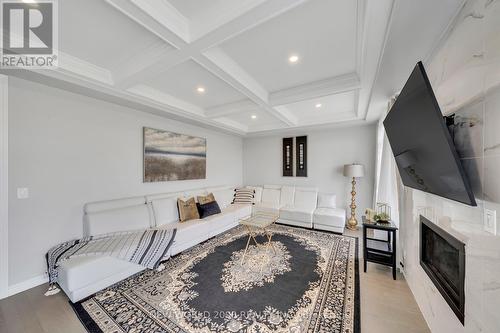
{"x":243,"y":196}
{"x":208,"y":209}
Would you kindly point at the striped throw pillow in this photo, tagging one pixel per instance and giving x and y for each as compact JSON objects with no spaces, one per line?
{"x":243,"y":196}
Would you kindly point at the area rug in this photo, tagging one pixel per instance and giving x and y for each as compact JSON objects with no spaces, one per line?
{"x":308,"y":283}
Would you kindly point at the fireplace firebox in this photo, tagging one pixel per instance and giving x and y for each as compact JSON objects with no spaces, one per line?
{"x":442,"y":257}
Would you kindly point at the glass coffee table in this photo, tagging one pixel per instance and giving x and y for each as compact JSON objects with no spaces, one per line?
{"x":259,"y":224}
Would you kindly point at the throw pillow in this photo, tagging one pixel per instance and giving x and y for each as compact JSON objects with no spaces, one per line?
{"x":243,"y":196}
{"x":258,"y":193}
{"x":187,"y":209}
{"x":206,"y":198}
{"x":208,"y":209}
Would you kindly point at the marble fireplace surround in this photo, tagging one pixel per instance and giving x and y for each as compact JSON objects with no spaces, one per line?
{"x":482,"y":272}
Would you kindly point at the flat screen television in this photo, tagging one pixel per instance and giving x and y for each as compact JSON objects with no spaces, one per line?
{"x":421,"y":143}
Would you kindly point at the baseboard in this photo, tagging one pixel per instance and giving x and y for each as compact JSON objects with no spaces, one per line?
{"x":28,"y":284}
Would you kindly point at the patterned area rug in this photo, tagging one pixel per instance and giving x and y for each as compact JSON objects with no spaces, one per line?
{"x":309,"y":283}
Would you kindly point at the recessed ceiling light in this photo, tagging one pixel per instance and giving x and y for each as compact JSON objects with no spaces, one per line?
{"x":318,"y":105}
{"x":254,"y":116}
{"x":293,"y":59}
{"x":201,"y":90}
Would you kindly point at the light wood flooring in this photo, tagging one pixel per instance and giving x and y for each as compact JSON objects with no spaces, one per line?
{"x":387,"y":306}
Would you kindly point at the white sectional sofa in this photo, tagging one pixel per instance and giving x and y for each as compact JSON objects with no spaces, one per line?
{"x":300,"y":206}
{"x":81,"y":277}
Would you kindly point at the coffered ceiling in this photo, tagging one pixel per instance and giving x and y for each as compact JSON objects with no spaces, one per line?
{"x":243,"y":66}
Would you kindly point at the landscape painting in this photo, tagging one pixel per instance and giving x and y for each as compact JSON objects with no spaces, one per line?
{"x":172,"y":156}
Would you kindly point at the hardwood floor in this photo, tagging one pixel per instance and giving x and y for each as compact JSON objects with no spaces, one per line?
{"x":387,"y":306}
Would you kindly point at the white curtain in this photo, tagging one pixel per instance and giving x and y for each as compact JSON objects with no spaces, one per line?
{"x":387,"y":180}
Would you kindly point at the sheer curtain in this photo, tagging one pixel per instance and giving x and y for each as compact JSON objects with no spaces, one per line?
{"x":387,"y":181}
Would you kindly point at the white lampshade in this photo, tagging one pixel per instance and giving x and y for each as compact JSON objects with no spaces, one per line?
{"x":354,"y":170}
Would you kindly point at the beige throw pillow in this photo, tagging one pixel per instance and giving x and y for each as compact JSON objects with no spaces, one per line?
{"x":187,"y":210}
{"x":206,"y":199}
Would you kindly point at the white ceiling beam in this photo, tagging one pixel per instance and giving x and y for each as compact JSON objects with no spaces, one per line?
{"x":136,"y":14}
{"x":231,"y":108}
{"x":233,"y":124}
{"x":167,"y":15}
{"x":357,"y":109}
{"x":264,"y":12}
{"x":142,"y":73}
{"x":330,"y":86}
{"x":257,"y":15}
{"x":214,"y":17}
{"x":247,"y":91}
{"x":286,"y":113}
{"x":84,"y":70}
{"x":299,"y":130}
{"x":374,"y":41}
{"x":166,"y":99}
{"x":134,"y":59}
{"x":139,"y":65}
{"x":220,"y":59}
{"x":360,"y":32}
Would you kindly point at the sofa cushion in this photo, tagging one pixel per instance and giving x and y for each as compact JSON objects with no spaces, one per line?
{"x":115,"y":220}
{"x":273,"y":187}
{"x":165,"y":210}
{"x":224,"y":197}
{"x":194,"y":193}
{"x":208,"y":209}
{"x":240,"y":211}
{"x":334,"y":217}
{"x":287,"y":195}
{"x":94,"y":207}
{"x":258,"y":193}
{"x":305,"y":197}
{"x":327,"y":200}
{"x":204,"y":199}
{"x":297,"y":213}
{"x":189,"y":230}
{"x":78,"y":272}
{"x":271,"y":196}
{"x":220,"y":222}
{"x":187,"y":209}
{"x":266,"y":207}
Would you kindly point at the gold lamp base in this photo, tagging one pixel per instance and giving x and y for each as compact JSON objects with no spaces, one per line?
{"x":352,"y":223}
{"x":353,"y":171}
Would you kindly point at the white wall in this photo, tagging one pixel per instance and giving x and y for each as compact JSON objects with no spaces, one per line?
{"x":328,"y":151}
{"x":70,"y":149}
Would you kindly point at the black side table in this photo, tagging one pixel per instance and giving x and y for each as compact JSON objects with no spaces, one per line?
{"x":380,"y":251}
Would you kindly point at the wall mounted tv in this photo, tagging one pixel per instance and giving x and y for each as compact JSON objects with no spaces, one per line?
{"x":421,"y":143}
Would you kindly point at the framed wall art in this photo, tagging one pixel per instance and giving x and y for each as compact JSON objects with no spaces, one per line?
{"x":301,"y":156}
{"x":172,"y":156}
{"x":287,"y":157}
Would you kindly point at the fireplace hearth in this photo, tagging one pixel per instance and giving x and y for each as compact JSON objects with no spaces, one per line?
{"x":442,"y":257}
